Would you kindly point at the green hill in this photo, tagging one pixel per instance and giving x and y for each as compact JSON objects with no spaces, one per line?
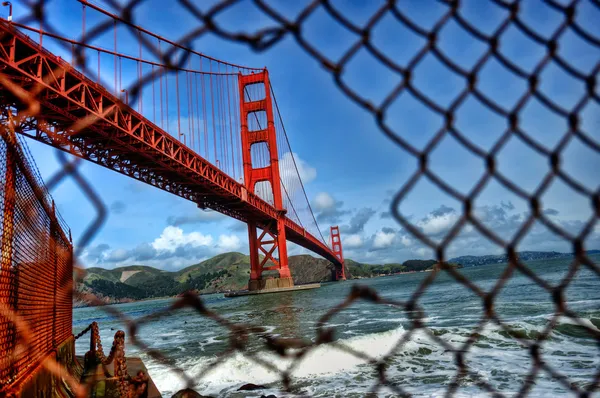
{"x":227,"y":271}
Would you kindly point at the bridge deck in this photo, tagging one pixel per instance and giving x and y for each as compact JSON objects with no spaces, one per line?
{"x":57,"y":105}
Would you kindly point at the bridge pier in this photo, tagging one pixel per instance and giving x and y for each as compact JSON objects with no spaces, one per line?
{"x":267,"y":243}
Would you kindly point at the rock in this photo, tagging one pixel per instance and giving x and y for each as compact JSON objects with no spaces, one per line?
{"x":188,"y":393}
{"x":268,"y":396}
{"x":250,"y":387}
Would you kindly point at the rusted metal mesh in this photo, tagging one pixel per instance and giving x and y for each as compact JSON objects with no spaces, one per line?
{"x":280,"y":27}
{"x":36,"y":266}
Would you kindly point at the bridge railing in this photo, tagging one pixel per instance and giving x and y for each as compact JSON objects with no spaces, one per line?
{"x":36,"y":270}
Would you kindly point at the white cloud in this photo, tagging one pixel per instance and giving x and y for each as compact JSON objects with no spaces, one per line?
{"x":173,"y":237}
{"x":352,"y":241}
{"x":118,"y":255}
{"x":323,"y":201}
{"x":434,"y":225}
{"x":173,"y":249}
{"x":424,"y":252}
{"x":288,"y":168}
{"x":406,"y":241}
{"x":229,"y":242}
{"x":383,"y":239}
{"x":329,"y":210}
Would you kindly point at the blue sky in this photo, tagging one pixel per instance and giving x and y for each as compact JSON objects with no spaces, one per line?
{"x":351,"y":168}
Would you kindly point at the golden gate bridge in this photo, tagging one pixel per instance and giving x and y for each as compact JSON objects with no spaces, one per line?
{"x":206,"y":130}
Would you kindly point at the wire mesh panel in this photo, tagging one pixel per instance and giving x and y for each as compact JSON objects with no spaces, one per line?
{"x":405,"y":80}
{"x":36,"y":273}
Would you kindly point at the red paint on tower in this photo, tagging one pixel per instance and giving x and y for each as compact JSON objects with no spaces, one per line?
{"x":336,"y":245}
{"x":273,"y":236}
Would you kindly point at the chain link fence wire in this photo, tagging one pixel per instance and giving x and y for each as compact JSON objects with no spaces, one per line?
{"x":36,"y":270}
{"x":281,"y":26}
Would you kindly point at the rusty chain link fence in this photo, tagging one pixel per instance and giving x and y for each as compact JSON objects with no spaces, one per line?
{"x":280,"y":27}
{"x":36,"y":270}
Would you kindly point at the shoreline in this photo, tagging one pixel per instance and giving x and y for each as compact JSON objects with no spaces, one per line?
{"x":129,"y":301}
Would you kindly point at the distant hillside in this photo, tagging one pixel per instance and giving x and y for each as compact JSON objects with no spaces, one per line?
{"x":223,"y":272}
{"x":231,"y":271}
{"x":358,"y":270}
{"x":228,"y":271}
{"x":474,"y":261}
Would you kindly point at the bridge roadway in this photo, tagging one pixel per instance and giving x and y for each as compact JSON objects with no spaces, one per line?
{"x":48,"y":100}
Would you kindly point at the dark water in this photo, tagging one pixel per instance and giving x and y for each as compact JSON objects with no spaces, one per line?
{"x":422,"y":367}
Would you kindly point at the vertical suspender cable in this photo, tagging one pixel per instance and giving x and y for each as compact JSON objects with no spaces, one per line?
{"x":191,"y":130}
{"x":162,"y":72}
{"x":230,"y":127}
{"x":115,"y":56}
{"x":217,"y":121}
{"x":141,"y":90}
{"x":167,"y":127}
{"x":120,"y":74}
{"x":83,"y":38}
{"x":178,"y":107}
{"x":198,"y":113}
{"x":212,"y":105}
{"x":202,"y":77}
{"x":222,"y":132}
{"x":236,"y":120}
{"x":162,"y":122}
{"x":153,"y":96}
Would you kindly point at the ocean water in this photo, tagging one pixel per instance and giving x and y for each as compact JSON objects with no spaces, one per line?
{"x":421,"y":367}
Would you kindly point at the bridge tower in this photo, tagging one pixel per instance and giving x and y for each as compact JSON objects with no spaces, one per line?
{"x":272,"y":238}
{"x":336,"y":245}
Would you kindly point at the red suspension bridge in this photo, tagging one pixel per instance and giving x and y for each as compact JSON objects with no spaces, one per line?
{"x":205,"y":130}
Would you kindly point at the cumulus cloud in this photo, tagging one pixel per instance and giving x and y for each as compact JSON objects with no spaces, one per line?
{"x":507,"y":206}
{"x":385,"y":215}
{"x":174,"y":237}
{"x":323,"y":201}
{"x":229,"y":243}
{"x":397,"y":244}
{"x":551,"y":212}
{"x":358,"y":220}
{"x":383,"y":240}
{"x":289,"y":162}
{"x":96,"y":253}
{"x":406,"y":241}
{"x":438,"y":221}
{"x":328,"y":209}
{"x":389,"y":193}
{"x":117,"y":255}
{"x":143,"y":252}
{"x":172,"y":249}
{"x":198,"y":217}
{"x":441,"y":211}
{"x":352,"y":241}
